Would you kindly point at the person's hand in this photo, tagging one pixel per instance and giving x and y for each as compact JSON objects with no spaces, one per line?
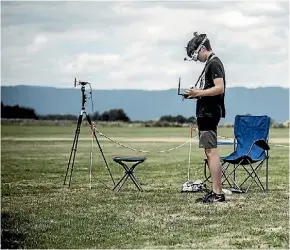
{"x":192,"y":93}
{"x":186,"y":95}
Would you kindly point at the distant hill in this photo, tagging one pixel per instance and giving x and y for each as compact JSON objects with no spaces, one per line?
{"x":147,"y":105}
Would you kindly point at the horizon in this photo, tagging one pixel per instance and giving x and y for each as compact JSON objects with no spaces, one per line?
{"x":147,"y":90}
{"x":45,"y":100}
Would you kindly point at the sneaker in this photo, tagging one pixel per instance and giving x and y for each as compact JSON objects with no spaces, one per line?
{"x":205,"y":197}
{"x":213,"y":198}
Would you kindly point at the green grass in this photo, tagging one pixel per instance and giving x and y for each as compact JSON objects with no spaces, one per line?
{"x":38,"y":211}
{"x":64,"y":131}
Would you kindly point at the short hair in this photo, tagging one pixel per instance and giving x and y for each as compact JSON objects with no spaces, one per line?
{"x":199,"y":39}
{"x":207,"y":45}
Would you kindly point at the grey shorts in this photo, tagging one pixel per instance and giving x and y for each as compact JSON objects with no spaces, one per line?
{"x":207,"y":127}
{"x":208,"y":139}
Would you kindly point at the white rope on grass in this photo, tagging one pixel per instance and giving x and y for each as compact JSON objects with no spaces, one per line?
{"x":140,"y":150}
{"x":170,"y":149}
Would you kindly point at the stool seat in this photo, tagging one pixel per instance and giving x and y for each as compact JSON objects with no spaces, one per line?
{"x":129,"y":159}
{"x":129,"y":172}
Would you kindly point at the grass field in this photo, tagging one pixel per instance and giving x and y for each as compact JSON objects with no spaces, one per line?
{"x":38,"y":211}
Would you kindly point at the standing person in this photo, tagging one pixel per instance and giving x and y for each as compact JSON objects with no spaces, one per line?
{"x":210,"y":108}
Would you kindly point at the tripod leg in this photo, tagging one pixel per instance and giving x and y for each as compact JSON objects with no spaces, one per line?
{"x":90,"y":122}
{"x":74,"y":149}
{"x":91,"y":161}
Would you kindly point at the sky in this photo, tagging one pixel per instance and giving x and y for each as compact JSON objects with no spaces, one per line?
{"x":141,"y":45}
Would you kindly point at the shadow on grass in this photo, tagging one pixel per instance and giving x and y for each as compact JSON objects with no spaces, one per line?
{"x":11,"y":238}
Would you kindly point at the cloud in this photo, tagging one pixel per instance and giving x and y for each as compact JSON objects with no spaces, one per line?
{"x":89,"y":63}
{"x":141,"y":44}
{"x":38,"y":42}
{"x":237,"y":18}
{"x":265,"y":8}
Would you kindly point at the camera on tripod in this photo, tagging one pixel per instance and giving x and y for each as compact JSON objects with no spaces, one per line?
{"x":83,"y":112}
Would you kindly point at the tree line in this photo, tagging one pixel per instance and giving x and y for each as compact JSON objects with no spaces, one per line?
{"x":19,"y":112}
{"x":12,"y":112}
{"x":112,"y":115}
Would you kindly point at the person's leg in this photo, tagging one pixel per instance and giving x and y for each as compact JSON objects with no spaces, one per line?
{"x":214,"y":164}
{"x":208,"y":141}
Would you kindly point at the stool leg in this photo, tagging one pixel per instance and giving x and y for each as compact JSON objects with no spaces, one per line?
{"x":119,"y":182}
{"x":129,"y":172}
{"x":122,"y":184}
{"x":134,"y":179}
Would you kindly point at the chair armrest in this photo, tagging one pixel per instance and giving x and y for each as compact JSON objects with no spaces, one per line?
{"x":262,"y":144}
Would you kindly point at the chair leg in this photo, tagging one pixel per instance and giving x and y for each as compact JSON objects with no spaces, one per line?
{"x":260,"y":185}
{"x":234,"y":173}
{"x":267,"y":173}
{"x":224,"y":174}
{"x":207,"y":178}
{"x":254,"y":171}
{"x":235,"y":185}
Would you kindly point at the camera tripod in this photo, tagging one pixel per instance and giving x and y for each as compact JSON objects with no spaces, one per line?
{"x":76,"y":137}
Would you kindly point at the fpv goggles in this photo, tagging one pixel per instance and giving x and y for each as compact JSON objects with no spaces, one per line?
{"x":194,"y":45}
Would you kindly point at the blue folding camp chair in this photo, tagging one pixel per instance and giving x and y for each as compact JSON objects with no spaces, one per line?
{"x":250,"y":152}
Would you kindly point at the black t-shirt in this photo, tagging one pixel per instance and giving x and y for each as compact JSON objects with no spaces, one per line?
{"x":212,"y":106}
